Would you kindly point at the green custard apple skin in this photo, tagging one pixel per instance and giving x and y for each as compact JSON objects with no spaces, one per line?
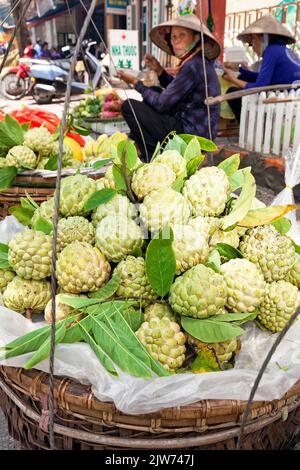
{"x":81,"y":267}
{"x":73,"y":229}
{"x":230,"y":238}
{"x":107,"y":181}
{"x":67,"y":154}
{"x":118,"y":236}
{"x":134,"y":281}
{"x":207,"y":191}
{"x":159,"y":310}
{"x":22,"y":294}
{"x":190,"y":248}
{"x":224,"y":351}
{"x":40,"y":140}
{"x":6,"y":276}
{"x":272,"y":252}
{"x":293,"y":275}
{"x":21,"y":156}
{"x":75,"y":192}
{"x":164,"y":342}
{"x":205,"y":226}
{"x":281,"y":301}
{"x":62,"y":310}
{"x":119,"y":204}
{"x":45,"y":210}
{"x":164,"y":207}
{"x":151,"y":176}
{"x":30,"y":254}
{"x":174,"y":160}
{"x":245,"y":285}
{"x":199,"y":293}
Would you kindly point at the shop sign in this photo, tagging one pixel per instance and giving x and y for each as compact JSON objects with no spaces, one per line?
{"x":124,"y":48}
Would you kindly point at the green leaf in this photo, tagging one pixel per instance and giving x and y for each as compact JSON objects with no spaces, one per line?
{"x":4,"y":264}
{"x":205,"y":144}
{"x":237,"y":180}
{"x":156,"y":151}
{"x":297,"y":247}
{"x":234,"y":317}
{"x":206,"y":361}
{"x":178,"y":184}
{"x":28,"y":203}
{"x":99,"y":197}
{"x":130,"y":153}
{"x":74,"y":330}
{"x":228,"y":251}
{"x":3,"y":248}
{"x":81,"y":130}
{"x":7,"y":176}
{"x":230,"y":165}
{"x":52,"y":163}
{"x":161,"y":262}
{"x":14,"y":129}
{"x":283,"y":225}
{"x":43,"y":225}
{"x":243,"y":202}
{"x":100,"y":163}
{"x":265,"y":215}
{"x":24,"y":216}
{"x":25,"y":126}
{"x":193,"y":150}
{"x":27,"y":343}
{"x":108,"y":290}
{"x":78,"y":302}
{"x":176,"y":143}
{"x":193,"y":165}
{"x":100,"y":353}
{"x":134,"y":318}
{"x":44,"y":350}
{"x":119,"y":178}
{"x":214,"y":261}
{"x":210,"y":331}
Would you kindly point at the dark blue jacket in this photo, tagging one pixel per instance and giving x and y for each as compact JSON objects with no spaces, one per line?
{"x":280,"y":65}
{"x":183,"y":96}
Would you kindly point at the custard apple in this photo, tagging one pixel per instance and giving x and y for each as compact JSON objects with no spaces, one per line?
{"x":164,"y":207}
{"x":207,"y":191}
{"x":40,"y":140}
{"x":164,"y":342}
{"x":293,"y":275}
{"x":151,"y":176}
{"x":73,"y":229}
{"x":21,"y":156}
{"x":205,"y":226}
{"x":6,"y":276}
{"x":67,"y":155}
{"x":174,"y":160}
{"x":245,"y":285}
{"x":3,"y":162}
{"x":81,"y":267}
{"x":272,"y":252}
{"x":118,"y":236}
{"x":30,"y":254}
{"x":134,"y":281}
{"x":199,"y":292}
{"x":75,"y":192}
{"x":159,"y":310}
{"x":21,"y":294}
{"x":117,"y":205}
{"x":230,"y":238}
{"x":189,"y":247}
{"x":62,"y":310}
{"x":46,"y":210}
{"x":107,"y":181}
{"x":281,"y":301}
{"x":224,"y":351}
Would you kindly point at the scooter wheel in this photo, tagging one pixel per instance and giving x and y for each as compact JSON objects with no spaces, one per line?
{"x":41,"y":99}
{"x":12,"y":86}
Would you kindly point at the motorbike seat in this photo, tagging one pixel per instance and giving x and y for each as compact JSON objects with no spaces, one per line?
{"x":64,"y":64}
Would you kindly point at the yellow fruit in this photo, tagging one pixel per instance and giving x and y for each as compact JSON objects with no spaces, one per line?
{"x":89,"y":148}
{"x":76,"y":149}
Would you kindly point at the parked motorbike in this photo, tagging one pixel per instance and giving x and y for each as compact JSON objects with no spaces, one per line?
{"x":47,"y":79}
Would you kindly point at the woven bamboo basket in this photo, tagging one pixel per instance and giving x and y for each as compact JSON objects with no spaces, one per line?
{"x":84,"y":422}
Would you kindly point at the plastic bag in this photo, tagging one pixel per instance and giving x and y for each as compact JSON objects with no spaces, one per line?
{"x":286,"y":196}
{"x":9,"y":227}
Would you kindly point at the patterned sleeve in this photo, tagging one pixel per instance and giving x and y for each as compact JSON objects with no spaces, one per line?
{"x":165,"y":79}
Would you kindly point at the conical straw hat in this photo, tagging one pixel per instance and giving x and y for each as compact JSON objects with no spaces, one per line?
{"x":267,"y":24}
{"x":191,"y":21}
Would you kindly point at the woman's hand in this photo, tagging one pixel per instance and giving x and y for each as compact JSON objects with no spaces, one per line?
{"x":127,"y":77}
{"x":230,"y":77}
{"x":152,"y":63}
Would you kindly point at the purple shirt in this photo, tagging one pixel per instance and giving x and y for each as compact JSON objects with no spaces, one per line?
{"x":183,"y":96}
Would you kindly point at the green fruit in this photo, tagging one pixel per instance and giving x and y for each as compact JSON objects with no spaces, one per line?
{"x":46,"y":210}
{"x":150,"y":177}
{"x":293,"y":275}
{"x":21,"y":156}
{"x":224,"y":351}
{"x":118,"y":236}
{"x":39,"y":140}
{"x":205,"y":226}
{"x":207,"y":191}
{"x":81,"y":267}
{"x":164,"y":342}
{"x":134,"y":281}
{"x":21,"y":294}
{"x":281,"y":301}
{"x":118,"y":205}
{"x":6,"y":276}
{"x":74,"y":229}
{"x":30,"y":254}
{"x":174,"y":160}
{"x":159,"y":310}
{"x":62,"y":310}
{"x":272,"y":252}
{"x":107,"y":181}
{"x":75,"y":192}
{"x":189,"y":247}
{"x":164,"y":207}
{"x":230,"y":238}
{"x":67,"y":155}
{"x":245,"y":285}
{"x":198,"y":293}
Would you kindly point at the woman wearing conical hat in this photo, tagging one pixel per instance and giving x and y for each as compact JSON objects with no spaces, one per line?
{"x":179,"y":103}
{"x":280,"y":65}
